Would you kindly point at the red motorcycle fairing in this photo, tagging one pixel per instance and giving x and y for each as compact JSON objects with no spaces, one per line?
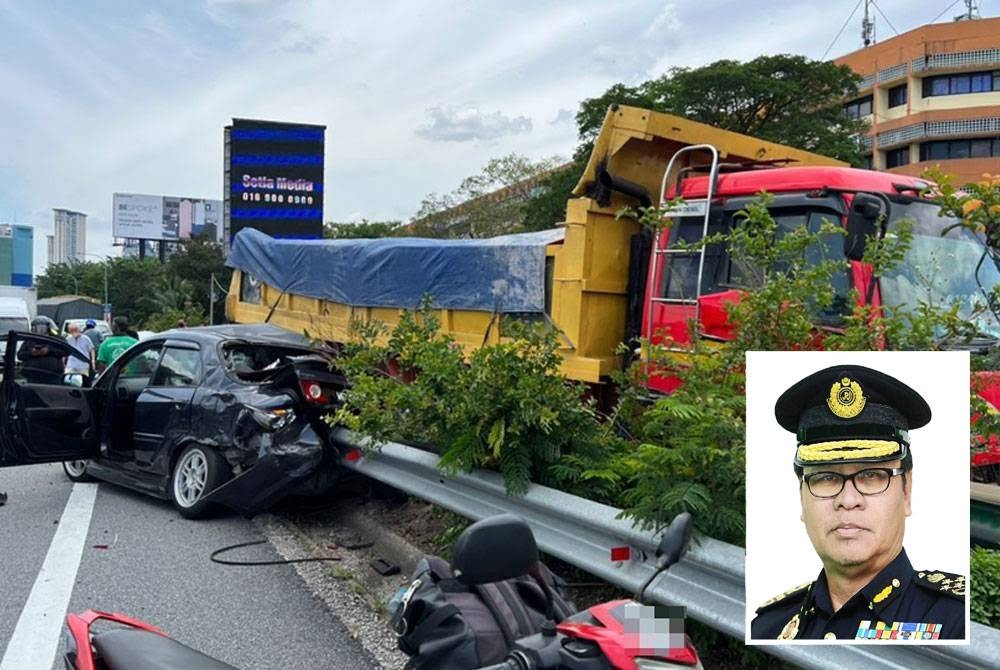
{"x":605,"y":625}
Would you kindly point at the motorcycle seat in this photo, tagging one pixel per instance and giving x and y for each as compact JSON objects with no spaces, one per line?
{"x":133,"y":649}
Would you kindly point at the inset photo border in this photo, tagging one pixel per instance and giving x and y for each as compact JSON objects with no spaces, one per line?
{"x":779,"y":554}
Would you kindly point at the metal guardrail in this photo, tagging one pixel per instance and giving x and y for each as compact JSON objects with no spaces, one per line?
{"x":708,"y":582}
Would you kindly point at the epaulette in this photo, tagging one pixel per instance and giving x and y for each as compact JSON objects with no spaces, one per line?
{"x":942,"y":582}
{"x":786,"y":596}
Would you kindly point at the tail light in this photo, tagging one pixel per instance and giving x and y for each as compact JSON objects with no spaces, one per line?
{"x":313,"y":392}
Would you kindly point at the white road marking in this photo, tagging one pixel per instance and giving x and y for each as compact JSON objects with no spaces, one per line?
{"x":37,"y":634}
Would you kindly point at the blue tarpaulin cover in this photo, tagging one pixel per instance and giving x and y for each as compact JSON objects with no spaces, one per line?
{"x":501,"y":274}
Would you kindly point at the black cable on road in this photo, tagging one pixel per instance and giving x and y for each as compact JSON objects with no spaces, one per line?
{"x":214,"y":557}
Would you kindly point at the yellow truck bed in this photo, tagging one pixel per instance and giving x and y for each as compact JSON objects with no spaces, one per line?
{"x":588,"y":270}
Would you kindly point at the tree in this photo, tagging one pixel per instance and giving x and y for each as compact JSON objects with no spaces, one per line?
{"x":359,"y":230}
{"x":783,"y":98}
{"x":547,"y":207}
{"x":129,"y":280}
{"x":195,"y":262}
{"x":492,"y":202}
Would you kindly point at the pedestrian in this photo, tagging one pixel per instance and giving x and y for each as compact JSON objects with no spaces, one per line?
{"x":854,"y":463}
{"x":85,"y":346}
{"x":93,"y":333}
{"x":116,"y":345}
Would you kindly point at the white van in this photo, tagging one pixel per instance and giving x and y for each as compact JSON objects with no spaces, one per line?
{"x":14,"y":315}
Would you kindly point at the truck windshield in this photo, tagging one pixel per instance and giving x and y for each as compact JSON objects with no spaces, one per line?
{"x":941,"y":271}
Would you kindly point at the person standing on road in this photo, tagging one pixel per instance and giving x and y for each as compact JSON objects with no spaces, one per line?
{"x":93,"y":333}
{"x":85,"y":346}
{"x":116,"y":345}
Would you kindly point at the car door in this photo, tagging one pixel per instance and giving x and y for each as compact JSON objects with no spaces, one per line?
{"x":44,"y":417}
{"x":162,"y":410}
{"x":127,"y":378}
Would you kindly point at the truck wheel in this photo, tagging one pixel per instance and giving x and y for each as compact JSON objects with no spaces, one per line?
{"x":198,"y":471}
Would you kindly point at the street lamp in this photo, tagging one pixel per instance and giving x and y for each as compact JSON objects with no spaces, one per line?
{"x":104,"y":263}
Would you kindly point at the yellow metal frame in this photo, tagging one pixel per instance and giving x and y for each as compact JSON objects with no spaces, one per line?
{"x":588,"y":294}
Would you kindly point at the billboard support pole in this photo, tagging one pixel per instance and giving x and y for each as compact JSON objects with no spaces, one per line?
{"x":142,"y":250}
{"x":163,"y":252}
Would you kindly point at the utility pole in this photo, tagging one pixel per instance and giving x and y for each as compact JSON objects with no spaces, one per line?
{"x":868,"y":25}
{"x":971,"y":11}
{"x":211,"y":300}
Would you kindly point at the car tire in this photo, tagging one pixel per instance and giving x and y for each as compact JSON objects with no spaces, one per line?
{"x":76,"y":471}
{"x":198,"y":471}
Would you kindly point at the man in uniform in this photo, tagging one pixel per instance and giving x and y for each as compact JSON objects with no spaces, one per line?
{"x":854,"y":465}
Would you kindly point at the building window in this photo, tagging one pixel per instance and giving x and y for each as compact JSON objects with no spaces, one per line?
{"x":959,"y":84}
{"x":859,"y":108}
{"x":951,"y":149}
{"x":897,"y":96}
{"x":897,"y":157}
{"x":866,"y":162}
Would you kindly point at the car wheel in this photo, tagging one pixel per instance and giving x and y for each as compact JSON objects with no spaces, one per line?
{"x":198,"y":471}
{"x":76,"y":471}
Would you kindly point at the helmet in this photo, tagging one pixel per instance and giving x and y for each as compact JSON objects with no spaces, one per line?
{"x":91,"y":323}
{"x":43,"y":325}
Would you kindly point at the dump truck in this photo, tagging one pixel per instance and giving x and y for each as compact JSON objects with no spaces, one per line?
{"x":602,"y":279}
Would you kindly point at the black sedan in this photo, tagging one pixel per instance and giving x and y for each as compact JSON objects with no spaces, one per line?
{"x":229,"y":415}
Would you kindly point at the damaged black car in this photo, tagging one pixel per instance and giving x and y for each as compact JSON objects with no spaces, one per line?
{"x":222,"y":415}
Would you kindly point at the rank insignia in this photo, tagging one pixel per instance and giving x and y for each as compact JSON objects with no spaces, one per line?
{"x":846,"y":398}
{"x":791,"y":629}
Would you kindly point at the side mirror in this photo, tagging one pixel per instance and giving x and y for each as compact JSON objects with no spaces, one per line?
{"x":862,"y":223}
{"x":674,"y":542}
{"x":494,"y":549}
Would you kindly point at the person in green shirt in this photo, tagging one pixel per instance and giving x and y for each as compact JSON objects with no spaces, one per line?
{"x":114,"y":346}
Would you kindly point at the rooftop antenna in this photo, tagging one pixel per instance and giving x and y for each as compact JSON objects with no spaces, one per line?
{"x":868,"y":25}
{"x":971,"y":11}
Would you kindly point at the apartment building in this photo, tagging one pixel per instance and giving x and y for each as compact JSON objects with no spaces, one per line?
{"x":932,"y":96}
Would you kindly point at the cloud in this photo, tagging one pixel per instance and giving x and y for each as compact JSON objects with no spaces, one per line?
{"x":562,"y":116}
{"x":465,"y":124}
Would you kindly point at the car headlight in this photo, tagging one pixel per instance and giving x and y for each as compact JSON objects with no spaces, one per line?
{"x":272,"y":419}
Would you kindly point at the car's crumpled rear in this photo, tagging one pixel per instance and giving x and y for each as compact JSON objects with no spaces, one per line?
{"x":278,"y":437}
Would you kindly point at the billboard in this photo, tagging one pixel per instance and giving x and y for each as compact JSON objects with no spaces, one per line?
{"x":160,"y":217}
{"x":274,"y":178}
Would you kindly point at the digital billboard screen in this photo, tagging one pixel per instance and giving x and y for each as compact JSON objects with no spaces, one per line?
{"x":274,"y":178}
{"x":162,"y":217}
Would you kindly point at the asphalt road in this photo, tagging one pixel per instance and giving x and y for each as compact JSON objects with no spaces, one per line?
{"x":156,"y":567}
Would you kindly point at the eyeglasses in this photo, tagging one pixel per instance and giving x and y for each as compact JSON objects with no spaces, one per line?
{"x":868,"y":482}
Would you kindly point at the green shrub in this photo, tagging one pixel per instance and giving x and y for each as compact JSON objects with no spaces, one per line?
{"x":984,"y":586}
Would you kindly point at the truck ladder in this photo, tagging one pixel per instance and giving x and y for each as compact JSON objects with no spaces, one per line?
{"x":675,"y":212}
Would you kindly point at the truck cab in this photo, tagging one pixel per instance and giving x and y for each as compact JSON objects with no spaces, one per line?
{"x":943,"y":264}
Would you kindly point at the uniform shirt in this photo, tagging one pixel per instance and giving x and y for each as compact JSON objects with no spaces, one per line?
{"x":899,"y":604}
{"x":113,"y":347}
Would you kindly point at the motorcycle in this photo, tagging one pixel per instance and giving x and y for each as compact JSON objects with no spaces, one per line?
{"x":614,"y":635}
{"x":607,"y":636}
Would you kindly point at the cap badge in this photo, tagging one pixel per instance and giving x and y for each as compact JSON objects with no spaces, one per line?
{"x":846,"y":399}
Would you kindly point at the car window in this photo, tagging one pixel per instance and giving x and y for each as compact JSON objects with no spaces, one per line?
{"x":178,"y":367}
{"x":140,"y":363}
{"x":40,"y":360}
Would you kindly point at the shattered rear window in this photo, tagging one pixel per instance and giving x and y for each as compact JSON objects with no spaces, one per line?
{"x":244,"y":360}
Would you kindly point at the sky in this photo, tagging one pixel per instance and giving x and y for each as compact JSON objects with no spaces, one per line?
{"x":121,"y":96}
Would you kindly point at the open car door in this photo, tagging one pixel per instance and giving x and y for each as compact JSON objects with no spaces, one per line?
{"x":45,"y":416}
